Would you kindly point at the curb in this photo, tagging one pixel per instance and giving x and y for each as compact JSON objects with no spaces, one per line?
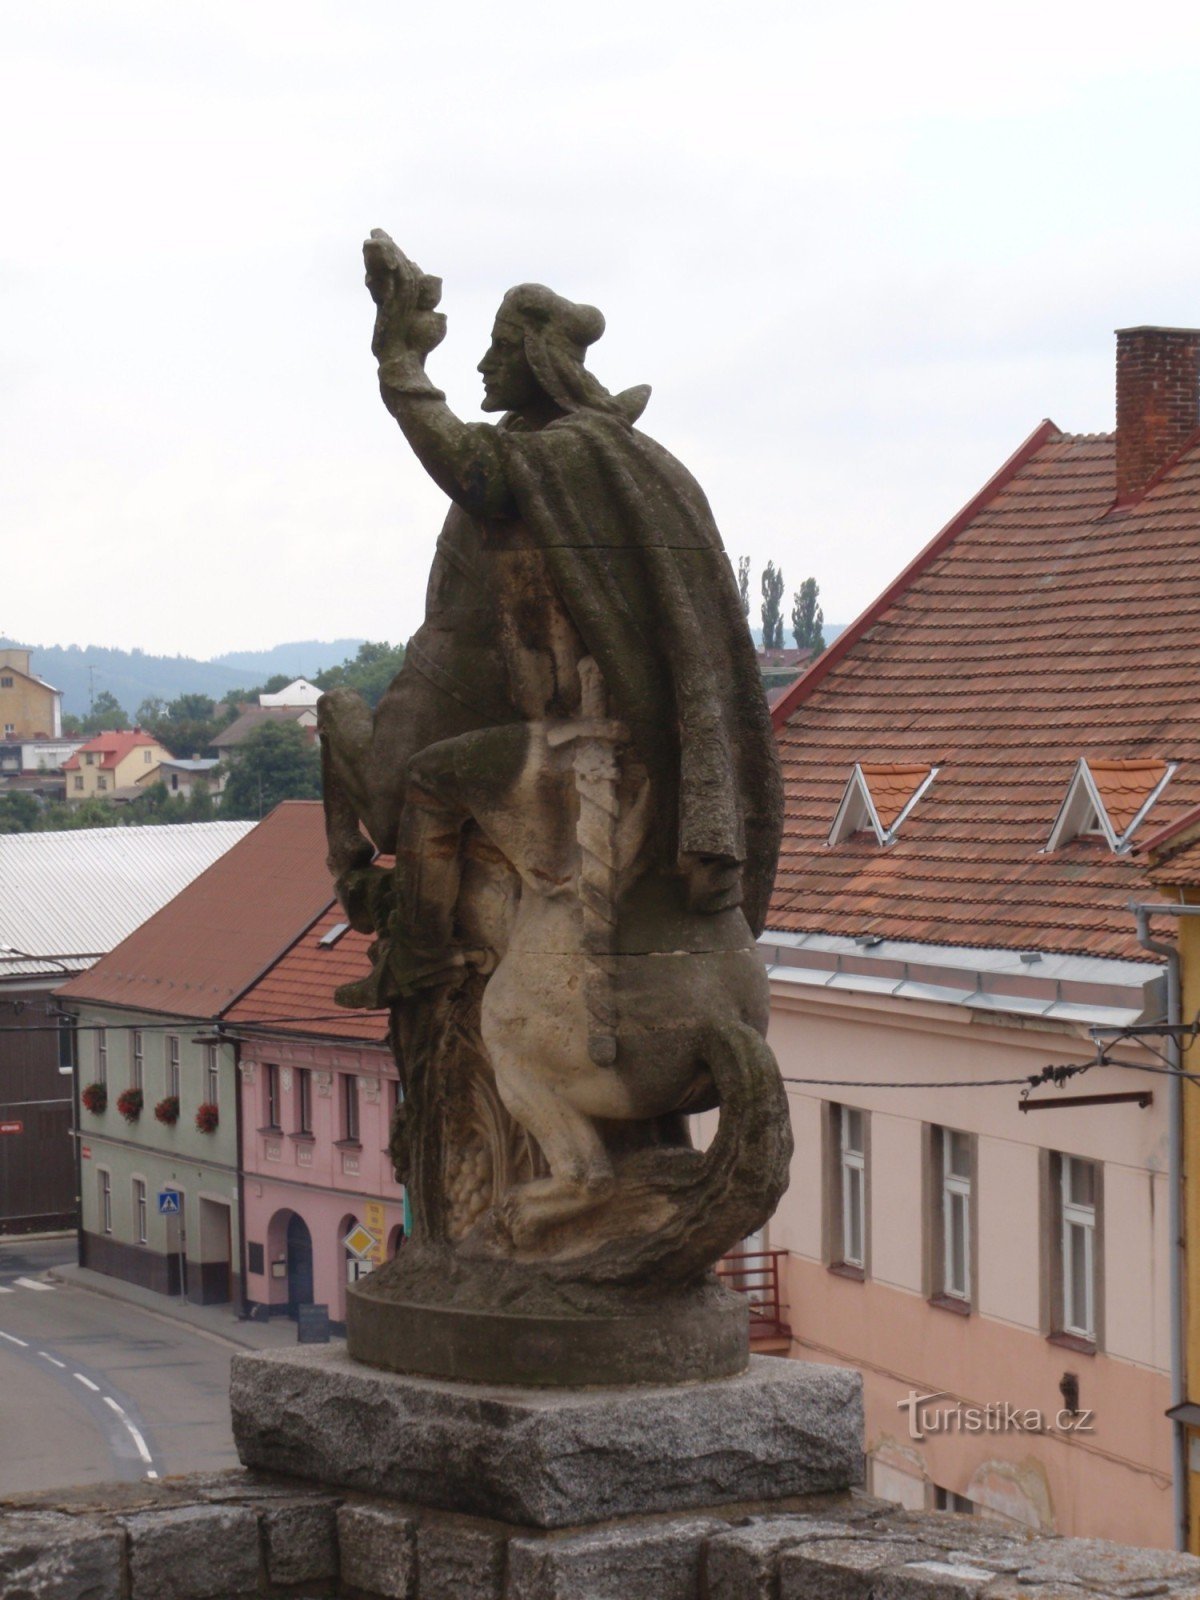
{"x":151,"y":1311}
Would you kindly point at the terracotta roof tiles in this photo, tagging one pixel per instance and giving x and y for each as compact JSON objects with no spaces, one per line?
{"x":214,"y":939}
{"x":1039,"y":627}
{"x":300,"y":987}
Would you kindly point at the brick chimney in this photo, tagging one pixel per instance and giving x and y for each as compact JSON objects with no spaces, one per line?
{"x":1158,"y":401}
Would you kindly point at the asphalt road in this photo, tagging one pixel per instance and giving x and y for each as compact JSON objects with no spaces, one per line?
{"x":92,"y":1389}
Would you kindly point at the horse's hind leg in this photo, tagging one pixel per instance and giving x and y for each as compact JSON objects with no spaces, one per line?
{"x":581,"y":1174}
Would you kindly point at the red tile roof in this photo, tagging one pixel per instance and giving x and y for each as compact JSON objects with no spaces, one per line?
{"x":1039,"y":626}
{"x":208,"y":945}
{"x":1125,"y":786}
{"x":301,"y":983}
{"x":892,"y":785}
{"x":114,"y":746}
{"x":1181,"y":870}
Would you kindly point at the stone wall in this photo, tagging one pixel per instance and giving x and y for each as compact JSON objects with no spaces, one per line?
{"x":231,"y":1536}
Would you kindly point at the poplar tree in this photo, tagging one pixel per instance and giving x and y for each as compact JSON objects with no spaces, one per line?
{"x":808,"y":619}
{"x":772,"y":615}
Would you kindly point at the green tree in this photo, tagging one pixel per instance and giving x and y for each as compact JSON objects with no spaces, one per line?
{"x":277,"y":762}
{"x":151,"y":711}
{"x":743,"y":582}
{"x":808,"y":620}
{"x":106,"y":716}
{"x":370,"y":672}
{"x":772,"y":615}
{"x":19,"y":813}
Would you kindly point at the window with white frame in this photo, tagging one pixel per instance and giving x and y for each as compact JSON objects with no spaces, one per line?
{"x":848,"y":1188}
{"x":212,"y":1074}
{"x":173,"y":1065}
{"x":953,"y":1159}
{"x":139,"y":1209}
{"x":102,"y":1055}
{"x":137,"y":1079}
{"x":105,"y":1178}
{"x":1077,"y":1246}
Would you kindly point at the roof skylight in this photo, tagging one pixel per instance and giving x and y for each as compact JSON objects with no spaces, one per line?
{"x":1108,"y":800}
{"x":878,"y":798}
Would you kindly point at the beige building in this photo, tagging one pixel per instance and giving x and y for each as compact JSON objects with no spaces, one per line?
{"x":29,"y":707}
{"x":973,"y":772}
{"x":112,"y":761}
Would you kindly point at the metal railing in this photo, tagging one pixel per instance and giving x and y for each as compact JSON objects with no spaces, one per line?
{"x":756,"y":1274}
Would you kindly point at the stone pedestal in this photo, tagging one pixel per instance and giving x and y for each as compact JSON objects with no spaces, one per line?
{"x":685,"y":1338}
{"x":549,"y":1458}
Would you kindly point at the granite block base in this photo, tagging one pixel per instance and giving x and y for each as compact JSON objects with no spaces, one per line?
{"x":549,"y":1458}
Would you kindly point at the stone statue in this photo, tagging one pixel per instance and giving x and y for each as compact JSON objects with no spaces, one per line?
{"x":575,"y":775}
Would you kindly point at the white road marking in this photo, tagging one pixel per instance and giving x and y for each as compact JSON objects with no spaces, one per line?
{"x":32,"y":1283}
{"x":139,"y":1442}
{"x":4,"y":1289}
{"x":53,"y":1360}
{"x":87,"y":1382}
{"x":12,"y":1339}
{"x":152,"y":1474}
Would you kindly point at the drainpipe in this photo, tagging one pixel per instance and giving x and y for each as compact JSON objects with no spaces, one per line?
{"x":1179,"y":1447}
{"x":243,"y":1296}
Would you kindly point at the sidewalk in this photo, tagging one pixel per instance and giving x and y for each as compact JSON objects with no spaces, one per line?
{"x":219,"y":1322}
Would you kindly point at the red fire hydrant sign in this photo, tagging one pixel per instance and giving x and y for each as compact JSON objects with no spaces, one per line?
{"x":12,"y":1127}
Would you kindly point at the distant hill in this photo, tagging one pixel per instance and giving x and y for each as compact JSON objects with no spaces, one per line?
{"x":300,"y":660}
{"x":133,"y":676}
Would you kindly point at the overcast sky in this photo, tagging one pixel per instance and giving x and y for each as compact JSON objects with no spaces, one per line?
{"x":858,"y":251}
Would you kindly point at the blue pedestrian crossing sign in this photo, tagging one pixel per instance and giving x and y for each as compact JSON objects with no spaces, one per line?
{"x":168,"y":1203}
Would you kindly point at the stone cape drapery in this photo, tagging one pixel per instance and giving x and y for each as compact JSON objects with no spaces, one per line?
{"x":633,"y":550}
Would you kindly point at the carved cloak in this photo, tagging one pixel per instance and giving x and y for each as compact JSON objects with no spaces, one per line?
{"x":632,"y":546}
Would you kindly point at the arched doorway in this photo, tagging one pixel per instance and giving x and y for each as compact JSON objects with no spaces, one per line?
{"x":299,"y":1264}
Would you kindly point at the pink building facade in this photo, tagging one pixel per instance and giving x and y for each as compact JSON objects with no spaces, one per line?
{"x":315,"y":1121}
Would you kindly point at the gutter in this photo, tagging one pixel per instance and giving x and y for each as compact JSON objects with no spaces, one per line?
{"x":1177,"y":1260}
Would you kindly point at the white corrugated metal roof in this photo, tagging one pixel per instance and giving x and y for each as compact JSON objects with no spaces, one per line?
{"x":80,"y":892}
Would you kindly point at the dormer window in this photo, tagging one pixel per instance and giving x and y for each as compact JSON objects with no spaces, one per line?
{"x":878,"y":798}
{"x":1108,"y":800}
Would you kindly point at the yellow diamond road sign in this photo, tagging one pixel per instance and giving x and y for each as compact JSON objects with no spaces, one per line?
{"x":360,"y":1241}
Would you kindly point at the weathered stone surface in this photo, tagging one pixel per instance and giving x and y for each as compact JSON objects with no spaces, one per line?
{"x":300,"y":1541}
{"x":457,"y":1561}
{"x":743,"y":1564}
{"x":660,"y":1561}
{"x":378,"y":1548}
{"x":854,"y":1566}
{"x":549,"y":1458}
{"x":575,"y":776}
{"x":195,"y":1553}
{"x":1106,"y":1568}
{"x":49,"y":1557}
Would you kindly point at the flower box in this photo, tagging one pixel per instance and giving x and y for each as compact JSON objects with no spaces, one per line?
{"x":95,"y":1098}
{"x":168,"y":1110}
{"x":129,"y":1104}
{"x":207,"y":1118}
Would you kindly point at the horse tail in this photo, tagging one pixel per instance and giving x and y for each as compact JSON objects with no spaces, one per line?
{"x":715,"y":1200}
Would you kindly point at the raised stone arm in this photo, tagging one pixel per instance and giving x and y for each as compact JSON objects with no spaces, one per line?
{"x":461,"y":458}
